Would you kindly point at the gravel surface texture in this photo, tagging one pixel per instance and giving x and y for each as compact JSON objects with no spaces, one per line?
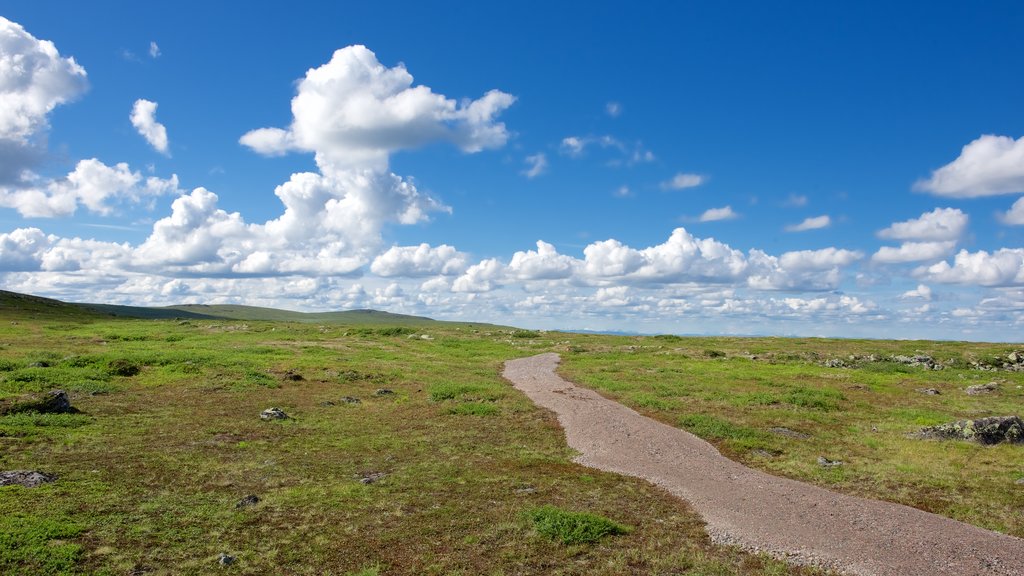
{"x":801,"y":523}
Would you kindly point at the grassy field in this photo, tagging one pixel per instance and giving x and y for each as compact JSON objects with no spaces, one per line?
{"x":468,"y":477}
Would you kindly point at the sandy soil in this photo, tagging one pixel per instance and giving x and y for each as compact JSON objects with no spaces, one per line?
{"x":754,"y":510}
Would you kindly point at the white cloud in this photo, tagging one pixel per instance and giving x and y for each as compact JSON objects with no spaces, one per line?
{"x":613,"y":109}
{"x":937,"y":225}
{"x":715,"y":214}
{"x":809,"y":270}
{"x":92,"y":184}
{"x":813,"y":223}
{"x":922,"y":292}
{"x":573,"y":146}
{"x":610,"y":258}
{"x":796,"y":200}
{"x":824,"y":259}
{"x":1015,"y":215}
{"x":482,"y":277}
{"x":418,"y":261}
{"x":154,"y":50}
{"x":683,"y":180}
{"x":543,"y":264}
{"x":1004,"y":267}
{"x":987,"y":166}
{"x":21,"y":249}
{"x":913,"y":252}
{"x":623,"y":192}
{"x":35,"y":79}
{"x":354,"y":112}
{"x":143,"y":117}
{"x":536,"y":165}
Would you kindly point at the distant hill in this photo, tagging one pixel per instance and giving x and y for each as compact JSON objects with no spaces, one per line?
{"x":15,"y":305}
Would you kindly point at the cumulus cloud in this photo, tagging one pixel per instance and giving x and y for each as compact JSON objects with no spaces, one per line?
{"x":418,"y":261}
{"x":543,"y":264}
{"x":922,"y":292}
{"x":536,"y":165}
{"x":715,"y":214}
{"x":354,"y":112}
{"x":811,"y":270}
{"x":1004,"y":267}
{"x":987,"y":166}
{"x":481,"y":277}
{"x":154,"y":50}
{"x":938,"y":225}
{"x":34,"y":79}
{"x":1015,"y":215}
{"x":143,"y":117}
{"x":913,"y":252}
{"x":92,"y":184}
{"x":683,"y":180}
{"x":813,"y":223}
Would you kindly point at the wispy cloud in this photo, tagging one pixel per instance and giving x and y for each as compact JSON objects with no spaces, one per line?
{"x":716,"y":214}
{"x":683,"y":180}
{"x":813,"y":223}
{"x":536,"y":165}
{"x":613,"y":109}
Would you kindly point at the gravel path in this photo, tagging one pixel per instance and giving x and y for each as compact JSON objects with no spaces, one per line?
{"x":756,"y":511}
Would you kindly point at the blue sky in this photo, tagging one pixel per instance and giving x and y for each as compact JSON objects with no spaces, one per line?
{"x":847,"y":169}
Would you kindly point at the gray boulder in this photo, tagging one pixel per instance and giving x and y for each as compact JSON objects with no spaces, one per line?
{"x":52,"y":402}
{"x":992,"y":430}
{"x":26,"y":478}
{"x":273,"y":414}
{"x":979,"y":389}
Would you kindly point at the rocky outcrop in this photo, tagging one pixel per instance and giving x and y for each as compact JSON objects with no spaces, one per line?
{"x":52,"y":402}
{"x":979,"y":389}
{"x":992,"y":430}
{"x":26,"y":478}
{"x":273,"y":414}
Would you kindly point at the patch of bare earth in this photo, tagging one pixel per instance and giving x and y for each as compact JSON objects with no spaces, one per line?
{"x":801,"y":523}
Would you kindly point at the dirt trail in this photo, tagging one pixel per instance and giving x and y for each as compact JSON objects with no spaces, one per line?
{"x":757,"y":511}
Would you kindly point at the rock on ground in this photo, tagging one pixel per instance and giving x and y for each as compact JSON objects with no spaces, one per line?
{"x":273,"y":414}
{"x":26,"y":478}
{"x":992,"y":430}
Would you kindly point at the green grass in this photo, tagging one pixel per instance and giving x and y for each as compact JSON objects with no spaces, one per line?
{"x":151,"y":468}
{"x":571,"y":528}
{"x":733,"y":391}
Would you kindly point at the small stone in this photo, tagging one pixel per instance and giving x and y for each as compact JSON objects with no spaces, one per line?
{"x":979,"y":389}
{"x":762,"y":453}
{"x":834,"y":363}
{"x":525,"y":489}
{"x":1019,"y":482}
{"x":826,"y":463}
{"x":250,"y":500}
{"x":929,"y":391}
{"x":293,"y":376}
{"x":1017,"y":357}
{"x":384,"y":392}
{"x":327,"y":403}
{"x":426,"y":337}
{"x":370,"y":477}
{"x":351,"y":400}
{"x":26,"y":478}
{"x":225,"y":559}
{"x":273,"y":414}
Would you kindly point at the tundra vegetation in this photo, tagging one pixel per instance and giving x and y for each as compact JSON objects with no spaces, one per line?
{"x":404,"y":452}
